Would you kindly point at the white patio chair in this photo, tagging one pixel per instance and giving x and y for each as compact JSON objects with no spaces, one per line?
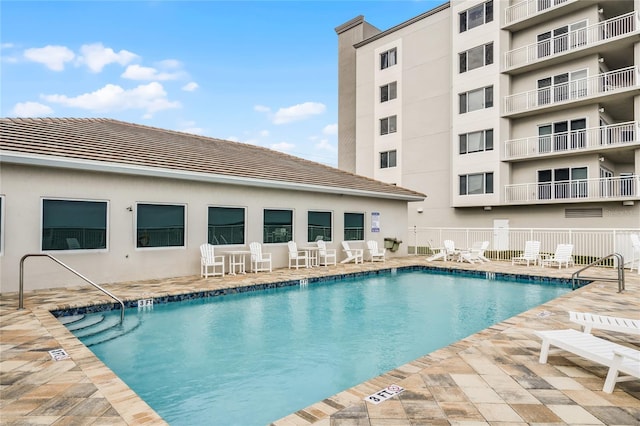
{"x":209,"y":261}
{"x":475,"y":254}
{"x":619,"y":359}
{"x":531,"y":254}
{"x":374,"y":252}
{"x":259,"y":261}
{"x":353,"y":255}
{"x":326,"y":256}
{"x":589,"y":321}
{"x":297,"y":258}
{"x":561,"y":257}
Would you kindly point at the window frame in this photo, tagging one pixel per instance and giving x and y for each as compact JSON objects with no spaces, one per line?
{"x":106,"y":203}
{"x":218,"y":242}
{"x":288,"y":235}
{"x":487,"y":16}
{"x":487,"y":99}
{"x":388,"y":125}
{"x":487,"y":181}
{"x":486,"y":59}
{"x":385,"y":159}
{"x":484,"y":144}
{"x":388,"y":56}
{"x":311,"y":238}
{"x":364,"y":225}
{"x":389,"y":92}
{"x":138,"y":239}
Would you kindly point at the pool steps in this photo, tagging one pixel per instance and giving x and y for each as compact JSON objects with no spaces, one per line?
{"x":95,"y":329}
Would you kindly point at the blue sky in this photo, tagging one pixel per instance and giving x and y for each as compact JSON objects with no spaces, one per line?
{"x":260,"y":72}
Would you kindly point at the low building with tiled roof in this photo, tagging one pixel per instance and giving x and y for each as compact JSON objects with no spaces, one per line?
{"x":121,"y":201}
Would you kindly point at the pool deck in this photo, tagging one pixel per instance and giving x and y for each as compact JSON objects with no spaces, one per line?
{"x":492,"y":377}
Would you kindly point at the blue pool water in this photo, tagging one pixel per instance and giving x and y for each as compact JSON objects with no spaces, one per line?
{"x":252,"y":358}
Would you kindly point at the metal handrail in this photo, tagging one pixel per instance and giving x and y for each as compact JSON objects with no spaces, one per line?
{"x":21,"y":291}
{"x":620,"y":279}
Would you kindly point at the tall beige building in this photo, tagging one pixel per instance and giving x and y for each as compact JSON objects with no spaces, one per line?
{"x":505,"y":113}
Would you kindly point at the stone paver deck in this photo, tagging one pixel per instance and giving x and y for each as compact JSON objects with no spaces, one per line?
{"x":491,"y":377}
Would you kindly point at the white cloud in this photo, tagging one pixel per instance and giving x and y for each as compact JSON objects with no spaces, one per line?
{"x":282,"y":146}
{"x":31,"y":109}
{"x":149,"y":98}
{"x":264,"y":133}
{"x":190,"y":87}
{"x":233,"y":138}
{"x":170,"y":64}
{"x":53,"y":57}
{"x":261,"y":108}
{"x":96,"y":56}
{"x":298,"y":112}
{"x":330,"y":129}
{"x":324,"y":145}
{"x":137,"y":72}
{"x":6,"y":45}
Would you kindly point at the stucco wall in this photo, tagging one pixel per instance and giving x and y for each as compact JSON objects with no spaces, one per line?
{"x":24,"y":187}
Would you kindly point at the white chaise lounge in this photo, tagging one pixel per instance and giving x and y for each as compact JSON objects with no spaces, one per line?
{"x":619,"y":359}
{"x":589,"y":321}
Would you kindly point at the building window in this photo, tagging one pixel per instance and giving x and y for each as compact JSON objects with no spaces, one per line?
{"x":354,"y":226}
{"x":388,"y":58}
{"x":388,"y":92}
{"x":160,"y":225}
{"x":388,"y":159}
{"x":562,"y":39}
{"x":562,"y":183}
{"x":562,"y":87}
{"x":562,"y":135}
{"x":74,"y":225}
{"x":319,"y":226}
{"x":226,"y":225}
{"x":477,"y":57}
{"x":278,"y":226}
{"x":388,"y":125}
{"x":476,"y":141}
{"x":476,"y":16}
{"x":478,"y":183}
{"x":476,"y":99}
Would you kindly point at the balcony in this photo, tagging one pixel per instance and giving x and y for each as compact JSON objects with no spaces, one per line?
{"x":583,"y":39}
{"x":572,"y":92}
{"x":574,"y":191}
{"x":596,"y":138}
{"x":519,"y":15}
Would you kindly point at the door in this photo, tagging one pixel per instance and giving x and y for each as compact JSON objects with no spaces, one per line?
{"x":544,"y":138}
{"x":501,"y":234}
{"x":578,"y":133}
{"x":560,"y":136}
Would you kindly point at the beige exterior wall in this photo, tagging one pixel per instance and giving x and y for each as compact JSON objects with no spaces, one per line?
{"x":24,"y":187}
{"x":430,"y":123}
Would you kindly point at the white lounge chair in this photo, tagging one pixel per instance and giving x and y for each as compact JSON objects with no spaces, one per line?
{"x":475,"y":254}
{"x":619,"y":359}
{"x":589,"y":321}
{"x":374,"y":252}
{"x":326,"y":256}
{"x":353,"y":255}
{"x":259,"y":261}
{"x":561,"y":257}
{"x":297,"y":258}
{"x":209,"y":261}
{"x":531,"y":254}
{"x":448,"y":252}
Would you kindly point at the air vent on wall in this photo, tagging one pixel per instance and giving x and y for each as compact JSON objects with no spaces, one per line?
{"x":577,"y":213}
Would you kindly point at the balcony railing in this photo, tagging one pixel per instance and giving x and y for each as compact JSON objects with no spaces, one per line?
{"x":571,"y":91}
{"x":600,"y":189}
{"x":528,"y":8}
{"x":575,"y":140}
{"x":577,"y":39}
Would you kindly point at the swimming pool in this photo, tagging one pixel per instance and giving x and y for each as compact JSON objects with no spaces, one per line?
{"x":253,"y":358}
